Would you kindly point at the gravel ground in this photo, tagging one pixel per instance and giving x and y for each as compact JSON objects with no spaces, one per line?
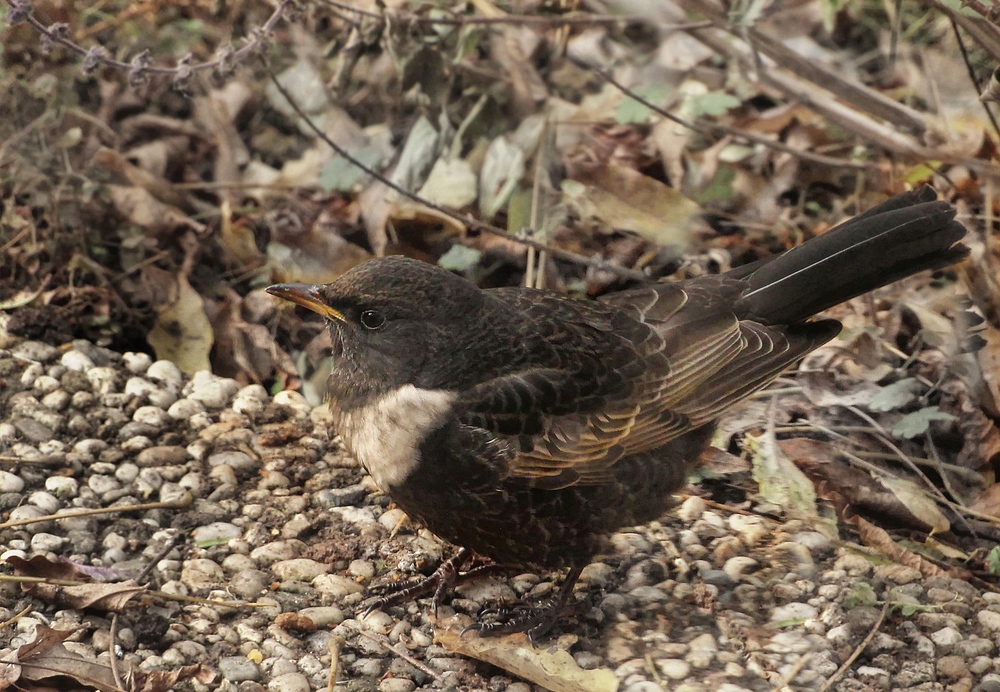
{"x":271,"y":511}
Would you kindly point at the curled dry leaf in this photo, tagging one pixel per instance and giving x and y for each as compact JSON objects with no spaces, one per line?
{"x":109,"y":597}
{"x":552,"y":668}
{"x":59,"y":568}
{"x":141,"y":180}
{"x":42,"y":662}
{"x":99,"y":596}
{"x":779,"y":480}
{"x":853,"y":490}
{"x":30,"y":655}
{"x":879,"y":539}
{"x":143,"y":209}
{"x":248,"y":352}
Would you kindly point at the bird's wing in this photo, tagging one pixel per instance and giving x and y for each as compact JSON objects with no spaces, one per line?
{"x":670,"y":361}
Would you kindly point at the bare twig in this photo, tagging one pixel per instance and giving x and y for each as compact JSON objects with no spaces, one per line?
{"x":384,"y":642}
{"x":112,"y":657}
{"x":711,"y":129}
{"x":72,"y":514}
{"x":462,"y":218}
{"x":857,"y":651}
{"x":515,"y":19}
{"x":21,"y":11}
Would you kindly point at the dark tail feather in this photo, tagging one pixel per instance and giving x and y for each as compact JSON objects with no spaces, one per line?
{"x":902,"y":236}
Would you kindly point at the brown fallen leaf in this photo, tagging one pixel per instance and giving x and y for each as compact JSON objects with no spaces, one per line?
{"x":112,"y":596}
{"x":879,"y":539}
{"x":626,"y":200}
{"x":45,"y":639}
{"x":43,"y":661}
{"x":245,"y":351}
{"x":551,"y":668}
{"x":140,"y":207}
{"x":854,"y":490}
{"x":164,"y":680}
{"x":182,"y":333}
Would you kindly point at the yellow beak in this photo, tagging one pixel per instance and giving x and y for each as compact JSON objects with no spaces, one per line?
{"x":308,"y":296}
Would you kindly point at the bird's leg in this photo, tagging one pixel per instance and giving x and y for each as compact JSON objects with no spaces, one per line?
{"x":439,"y":583}
{"x":536,"y":621}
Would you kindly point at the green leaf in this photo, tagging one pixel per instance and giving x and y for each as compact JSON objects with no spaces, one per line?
{"x":712,"y":103}
{"x":341,"y":175}
{"x":631,"y":111}
{"x":720,"y":189}
{"x":861,"y":594}
{"x":918,"y":422}
{"x":993,"y":561}
{"x":960,"y":7}
{"x":895,"y":396}
{"x":921,"y":172}
{"x":459,"y":258}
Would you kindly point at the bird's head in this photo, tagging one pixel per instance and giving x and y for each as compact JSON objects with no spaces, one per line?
{"x":393,"y":321}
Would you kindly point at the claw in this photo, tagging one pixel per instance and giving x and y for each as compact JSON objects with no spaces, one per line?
{"x":535,"y":621}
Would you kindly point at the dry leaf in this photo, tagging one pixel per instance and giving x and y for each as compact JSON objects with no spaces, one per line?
{"x":874,"y":537}
{"x":113,"y":597}
{"x":626,"y":200}
{"x":143,"y":209}
{"x":43,"y":661}
{"x":780,"y":481}
{"x":554,"y":669}
{"x":182,"y":333}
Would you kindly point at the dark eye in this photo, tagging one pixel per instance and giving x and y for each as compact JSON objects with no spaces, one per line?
{"x":372,"y":319}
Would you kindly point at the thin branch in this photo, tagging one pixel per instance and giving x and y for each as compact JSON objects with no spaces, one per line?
{"x":857,"y":651}
{"x":461,"y":218}
{"x":711,"y":129}
{"x":515,"y":19}
{"x":21,"y":11}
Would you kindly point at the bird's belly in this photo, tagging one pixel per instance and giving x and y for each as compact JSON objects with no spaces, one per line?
{"x":515,"y":523}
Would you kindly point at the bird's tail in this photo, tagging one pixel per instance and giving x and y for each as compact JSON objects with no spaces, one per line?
{"x":902,"y":236}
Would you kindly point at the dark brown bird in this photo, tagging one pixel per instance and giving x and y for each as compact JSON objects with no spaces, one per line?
{"x":526,"y":425}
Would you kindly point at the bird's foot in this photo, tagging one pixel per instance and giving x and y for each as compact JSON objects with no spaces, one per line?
{"x":439,"y":583}
{"x":533,"y":620}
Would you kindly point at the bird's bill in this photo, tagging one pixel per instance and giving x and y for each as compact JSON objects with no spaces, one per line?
{"x":308,"y":296}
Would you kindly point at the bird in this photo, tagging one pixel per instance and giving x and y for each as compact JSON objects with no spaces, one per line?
{"x":526,"y":425}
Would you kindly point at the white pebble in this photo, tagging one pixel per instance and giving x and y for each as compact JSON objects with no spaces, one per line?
{"x":182,"y":409}
{"x":137,"y":362}
{"x":46,"y":542}
{"x":62,"y":486}
{"x":102,"y":380}
{"x":201,"y":574}
{"x":136,"y":444}
{"x":76,"y":360}
{"x":293,"y":400}
{"x":167,"y":374}
{"x":213,"y":391}
{"x":151,"y":415}
{"x":10,"y":483}
{"x":57,"y":400}
{"x":126,"y":472}
{"x":102,"y":484}
{"x":299,"y":569}
{"x":47,"y":502}
{"x":45,"y":384}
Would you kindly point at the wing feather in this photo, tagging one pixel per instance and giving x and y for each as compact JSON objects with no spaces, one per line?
{"x":677,"y":360}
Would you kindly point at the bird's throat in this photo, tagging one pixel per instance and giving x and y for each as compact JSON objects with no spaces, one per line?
{"x":385,"y":433}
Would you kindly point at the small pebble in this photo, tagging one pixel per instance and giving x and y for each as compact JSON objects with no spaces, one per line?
{"x":299,"y":569}
{"x":238,"y":668}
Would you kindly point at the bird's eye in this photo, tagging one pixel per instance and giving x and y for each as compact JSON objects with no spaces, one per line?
{"x":372,"y":319}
